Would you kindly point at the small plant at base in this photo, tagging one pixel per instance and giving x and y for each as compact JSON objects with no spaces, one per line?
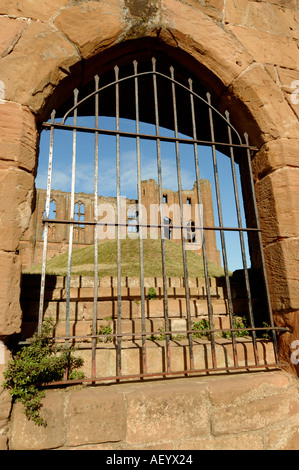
{"x":199,"y":326}
{"x":105,"y":330}
{"x":41,"y":362}
{"x":240,"y":324}
{"x":151,"y":293}
{"x":266,"y":334}
{"x":157,"y":338}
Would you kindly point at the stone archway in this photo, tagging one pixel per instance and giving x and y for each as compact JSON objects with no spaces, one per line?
{"x":43,"y":59}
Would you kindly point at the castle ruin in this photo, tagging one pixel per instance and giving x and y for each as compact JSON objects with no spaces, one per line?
{"x":31,"y":245}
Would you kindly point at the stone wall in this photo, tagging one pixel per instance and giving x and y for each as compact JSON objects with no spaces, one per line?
{"x":258,"y":411}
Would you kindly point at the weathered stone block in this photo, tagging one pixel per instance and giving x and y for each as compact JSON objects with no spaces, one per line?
{"x":32,"y":10}
{"x":26,"y":435}
{"x":251,"y":416}
{"x":282,"y":268}
{"x":10,"y":30}
{"x":275,"y":155}
{"x":289,"y":82}
{"x":236,"y":389}
{"x":255,"y":94}
{"x":277,"y":197}
{"x":10,"y":277}
{"x":277,"y":49}
{"x":44,"y":57}
{"x":91,"y":26}
{"x":85,"y":417}
{"x":232,"y":442}
{"x":211,"y":45}
{"x":15,"y":212}
{"x":213,"y":8}
{"x":263,"y":16}
{"x":3,"y":443}
{"x":5,"y":405}
{"x":254,"y":403}
{"x":166,"y":413}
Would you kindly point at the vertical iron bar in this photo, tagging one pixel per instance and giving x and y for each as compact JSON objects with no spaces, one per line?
{"x":204,"y":248}
{"x":168,"y":355}
{"x":140,"y":217}
{"x":96,"y":274}
{"x":223,"y":246}
{"x":45,"y":246}
{"x":72,"y":204}
{"x":119,"y":339}
{"x":237,"y":201}
{"x":264,"y":272}
{"x":177,"y":149}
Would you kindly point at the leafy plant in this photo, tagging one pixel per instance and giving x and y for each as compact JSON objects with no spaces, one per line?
{"x":266,"y":333}
{"x":39,"y":363}
{"x":198,"y":328}
{"x":241,"y":324}
{"x":157,"y":337}
{"x":105,"y":330}
{"x":151,"y":293}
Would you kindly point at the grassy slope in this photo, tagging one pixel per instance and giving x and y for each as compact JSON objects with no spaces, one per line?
{"x":83,"y":258}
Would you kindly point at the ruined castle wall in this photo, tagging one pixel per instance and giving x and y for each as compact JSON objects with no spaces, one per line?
{"x":31,"y":244}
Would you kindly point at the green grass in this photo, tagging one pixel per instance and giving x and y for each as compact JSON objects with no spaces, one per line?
{"x":83,"y":259}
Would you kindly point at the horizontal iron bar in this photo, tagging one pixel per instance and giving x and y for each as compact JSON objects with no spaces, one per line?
{"x":170,"y":373}
{"x":189,"y":227}
{"x":47,"y":125}
{"x":150,"y":333}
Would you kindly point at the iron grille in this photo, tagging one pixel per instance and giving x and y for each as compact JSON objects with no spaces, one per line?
{"x":237,"y":149}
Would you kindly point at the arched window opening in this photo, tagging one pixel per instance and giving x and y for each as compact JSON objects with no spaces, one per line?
{"x":191,"y":238}
{"x":79,"y":212}
{"x":167,"y":228}
{"x":79,"y":215}
{"x":132,"y":220}
{"x":137,"y":144}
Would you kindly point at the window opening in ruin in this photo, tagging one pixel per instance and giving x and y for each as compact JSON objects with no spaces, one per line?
{"x":79,"y":213}
{"x":132,"y":220}
{"x":167,"y":228}
{"x":141,"y":130}
{"x":191,"y":231}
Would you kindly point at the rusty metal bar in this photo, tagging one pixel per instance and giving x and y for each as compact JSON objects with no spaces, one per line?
{"x":204,"y":248}
{"x":169,"y":332}
{"x":119,"y":326}
{"x":260,"y":243}
{"x":44,"y":260}
{"x":179,"y":178}
{"x":116,"y":224}
{"x":140,"y":217}
{"x":72,"y":205}
{"x":156,"y":104}
{"x":223,"y":245}
{"x":241,"y":235}
{"x":181,"y":140}
{"x":170,"y":374}
{"x":156,"y":73}
{"x":96,"y":273}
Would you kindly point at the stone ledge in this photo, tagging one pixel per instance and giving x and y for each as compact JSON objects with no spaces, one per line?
{"x":240,"y":411}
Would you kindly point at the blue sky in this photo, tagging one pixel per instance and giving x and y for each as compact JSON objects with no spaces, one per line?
{"x":62,"y":158}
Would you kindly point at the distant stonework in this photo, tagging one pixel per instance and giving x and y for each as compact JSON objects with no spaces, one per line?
{"x":31,"y":245}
